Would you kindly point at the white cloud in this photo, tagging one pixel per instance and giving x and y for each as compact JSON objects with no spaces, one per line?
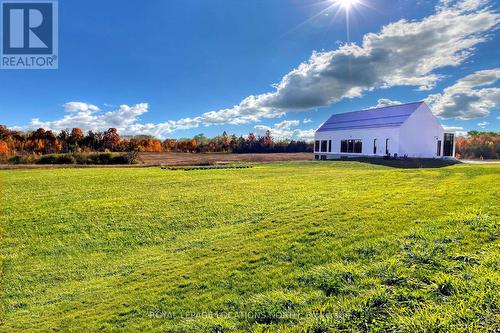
{"x":453,"y":128}
{"x":465,"y":5}
{"x":283,"y":130}
{"x":80,"y":107}
{"x":89,"y":117}
{"x":306,"y":135}
{"x":458,"y":130}
{"x":280,"y":130}
{"x":383,"y":102}
{"x":404,"y":53}
{"x":387,"y":102}
{"x":125,"y":118}
{"x":307,"y":120}
{"x":469,"y":97}
{"x":483,"y":124}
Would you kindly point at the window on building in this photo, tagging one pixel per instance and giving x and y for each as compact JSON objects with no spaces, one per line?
{"x":374,"y":146}
{"x":438,"y":151}
{"x":351,"y":146}
{"x":329,"y":146}
{"x":324,"y":146}
{"x":316,"y":146}
{"x":343,"y":146}
{"x":387,"y":146}
{"x":358,"y":146}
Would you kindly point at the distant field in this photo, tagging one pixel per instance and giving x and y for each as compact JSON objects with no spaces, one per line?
{"x":297,"y":246}
{"x":189,"y":159}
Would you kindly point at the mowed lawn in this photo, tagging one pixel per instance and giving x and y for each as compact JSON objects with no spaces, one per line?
{"x":299,"y":246}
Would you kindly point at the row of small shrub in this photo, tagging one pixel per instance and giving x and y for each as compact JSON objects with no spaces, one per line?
{"x":76,"y":158}
{"x":209,"y":167}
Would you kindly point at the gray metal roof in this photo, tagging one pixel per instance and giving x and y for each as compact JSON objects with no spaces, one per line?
{"x":389,"y":116}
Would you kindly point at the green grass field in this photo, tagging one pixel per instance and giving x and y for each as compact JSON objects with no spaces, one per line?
{"x":302,"y":247}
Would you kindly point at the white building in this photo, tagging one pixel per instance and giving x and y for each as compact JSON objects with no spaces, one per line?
{"x":406,"y":130}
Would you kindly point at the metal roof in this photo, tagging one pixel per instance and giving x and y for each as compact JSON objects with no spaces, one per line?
{"x":389,"y":116}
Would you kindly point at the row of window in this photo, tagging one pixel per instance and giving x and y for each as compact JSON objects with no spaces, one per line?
{"x":323,"y":146}
{"x":351,"y":146}
{"x":354,"y":146}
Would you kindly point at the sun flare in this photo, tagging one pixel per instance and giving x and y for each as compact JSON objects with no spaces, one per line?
{"x":347,"y":4}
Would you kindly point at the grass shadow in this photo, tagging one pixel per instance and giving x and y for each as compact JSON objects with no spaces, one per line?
{"x":406,"y":163}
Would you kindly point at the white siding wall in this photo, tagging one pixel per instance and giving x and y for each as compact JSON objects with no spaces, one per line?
{"x":420,"y":133}
{"x":367,"y":136}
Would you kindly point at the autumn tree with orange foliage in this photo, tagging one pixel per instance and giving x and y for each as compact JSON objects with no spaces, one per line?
{"x":169,"y":145}
{"x":75,"y":139}
{"x":4,"y":149}
{"x":478,"y":145}
{"x":111,"y":139}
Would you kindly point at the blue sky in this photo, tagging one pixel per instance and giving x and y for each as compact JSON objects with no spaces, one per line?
{"x":181,"y":67}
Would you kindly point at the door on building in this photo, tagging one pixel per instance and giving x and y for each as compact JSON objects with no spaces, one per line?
{"x":448,"y":143}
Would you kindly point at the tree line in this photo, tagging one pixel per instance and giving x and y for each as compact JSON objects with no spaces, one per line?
{"x":475,"y":145}
{"x":41,"y":141}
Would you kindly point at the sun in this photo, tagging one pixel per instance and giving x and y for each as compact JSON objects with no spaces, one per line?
{"x":338,"y":8}
{"x":347,"y":4}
